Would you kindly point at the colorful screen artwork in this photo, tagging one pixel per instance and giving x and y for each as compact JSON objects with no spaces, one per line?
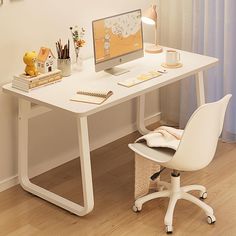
{"x":117,"y":35}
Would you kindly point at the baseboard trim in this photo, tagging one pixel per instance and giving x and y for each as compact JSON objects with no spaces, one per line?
{"x":46,"y":166}
{"x":8,"y":183}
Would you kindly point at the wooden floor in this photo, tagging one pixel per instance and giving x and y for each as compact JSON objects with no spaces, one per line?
{"x":113,"y":172}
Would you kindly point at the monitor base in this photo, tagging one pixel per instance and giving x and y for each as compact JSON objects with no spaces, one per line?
{"x":116,"y":71}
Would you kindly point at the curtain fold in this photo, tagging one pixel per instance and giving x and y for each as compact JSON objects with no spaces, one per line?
{"x":214,"y":34}
{"x":175,"y":32}
{"x":229,"y":82}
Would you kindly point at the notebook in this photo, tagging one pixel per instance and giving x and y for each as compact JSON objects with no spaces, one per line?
{"x":91,"y":96}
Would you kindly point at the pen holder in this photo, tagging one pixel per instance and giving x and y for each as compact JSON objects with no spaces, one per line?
{"x":65,"y":66}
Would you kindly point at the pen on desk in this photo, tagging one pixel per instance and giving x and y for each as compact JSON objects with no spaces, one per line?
{"x":68,"y":55}
{"x":63,"y":51}
{"x":60,"y":44}
{"x":58,"y":53}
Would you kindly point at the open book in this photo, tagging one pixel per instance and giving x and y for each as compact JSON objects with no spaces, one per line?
{"x":90,"y":96}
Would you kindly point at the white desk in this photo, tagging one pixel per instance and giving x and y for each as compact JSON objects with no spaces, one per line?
{"x":57,"y":96}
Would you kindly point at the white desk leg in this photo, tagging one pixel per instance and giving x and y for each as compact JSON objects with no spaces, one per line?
{"x":23,"y":114}
{"x":140,"y":115}
{"x":23,"y":118}
{"x":200,"y":88}
{"x":85,"y":163}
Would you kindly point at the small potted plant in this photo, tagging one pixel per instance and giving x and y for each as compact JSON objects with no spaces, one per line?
{"x":78,"y":41}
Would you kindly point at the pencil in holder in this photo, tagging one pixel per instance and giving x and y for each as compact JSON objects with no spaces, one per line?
{"x":65,"y":66}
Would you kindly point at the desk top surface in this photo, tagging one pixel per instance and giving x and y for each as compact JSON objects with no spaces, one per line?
{"x":57,"y":96}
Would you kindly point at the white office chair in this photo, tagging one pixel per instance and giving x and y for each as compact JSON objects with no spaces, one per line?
{"x":196,"y":150}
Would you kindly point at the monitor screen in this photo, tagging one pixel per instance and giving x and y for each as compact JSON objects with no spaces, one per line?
{"x":117,"y":39}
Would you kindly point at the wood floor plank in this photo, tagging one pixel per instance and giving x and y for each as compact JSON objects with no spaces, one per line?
{"x":113,"y":172}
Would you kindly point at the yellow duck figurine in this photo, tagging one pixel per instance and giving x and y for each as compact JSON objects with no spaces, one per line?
{"x":29,"y":59}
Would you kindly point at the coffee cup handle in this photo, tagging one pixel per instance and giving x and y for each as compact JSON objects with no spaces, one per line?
{"x":179,"y":57}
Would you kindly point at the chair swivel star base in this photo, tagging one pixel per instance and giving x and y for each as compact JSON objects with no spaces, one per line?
{"x":175,"y":193}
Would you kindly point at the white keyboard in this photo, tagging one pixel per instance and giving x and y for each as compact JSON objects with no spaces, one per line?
{"x":141,"y":78}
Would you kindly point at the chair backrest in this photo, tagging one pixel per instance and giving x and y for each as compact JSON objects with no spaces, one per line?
{"x":199,"y":141}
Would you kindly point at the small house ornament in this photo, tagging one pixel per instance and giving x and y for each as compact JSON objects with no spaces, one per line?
{"x":45,"y":60}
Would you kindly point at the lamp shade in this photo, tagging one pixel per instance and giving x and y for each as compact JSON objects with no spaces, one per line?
{"x":150,"y":16}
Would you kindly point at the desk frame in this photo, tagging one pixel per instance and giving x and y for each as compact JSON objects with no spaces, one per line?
{"x":27,"y":111}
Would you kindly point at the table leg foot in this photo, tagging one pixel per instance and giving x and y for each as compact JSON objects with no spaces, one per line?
{"x":25,"y":113}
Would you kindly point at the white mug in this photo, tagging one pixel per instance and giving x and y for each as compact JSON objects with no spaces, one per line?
{"x":172,"y":57}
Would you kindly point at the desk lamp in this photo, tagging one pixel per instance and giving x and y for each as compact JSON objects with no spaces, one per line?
{"x":150,"y":17}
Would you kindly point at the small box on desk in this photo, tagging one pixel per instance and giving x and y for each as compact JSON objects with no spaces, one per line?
{"x":27,"y":83}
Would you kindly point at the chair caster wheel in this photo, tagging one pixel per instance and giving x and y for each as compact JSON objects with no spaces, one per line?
{"x":169,"y":229}
{"x":211,"y":219}
{"x":136,"y":209}
{"x":203,"y":195}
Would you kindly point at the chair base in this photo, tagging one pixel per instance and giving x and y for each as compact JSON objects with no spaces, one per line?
{"x":175,"y":192}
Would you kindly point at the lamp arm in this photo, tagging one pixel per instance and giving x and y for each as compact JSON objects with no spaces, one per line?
{"x":156,"y":41}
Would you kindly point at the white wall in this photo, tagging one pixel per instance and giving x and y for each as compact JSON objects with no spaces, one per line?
{"x":26,"y":25}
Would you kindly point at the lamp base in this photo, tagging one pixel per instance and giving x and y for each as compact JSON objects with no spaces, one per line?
{"x":152,"y":48}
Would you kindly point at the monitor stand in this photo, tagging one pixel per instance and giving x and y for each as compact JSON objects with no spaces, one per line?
{"x":116,"y":71}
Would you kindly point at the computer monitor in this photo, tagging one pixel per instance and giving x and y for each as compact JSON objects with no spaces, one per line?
{"x":116,"y":40}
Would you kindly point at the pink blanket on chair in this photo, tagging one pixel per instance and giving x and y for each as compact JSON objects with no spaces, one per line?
{"x":163,"y":136}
